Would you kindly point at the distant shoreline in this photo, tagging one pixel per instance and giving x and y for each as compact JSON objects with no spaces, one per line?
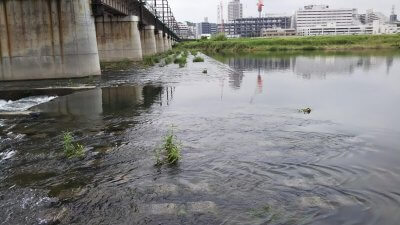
{"x":273,"y":44}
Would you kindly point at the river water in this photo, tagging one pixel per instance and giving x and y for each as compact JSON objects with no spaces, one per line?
{"x":249,"y":155}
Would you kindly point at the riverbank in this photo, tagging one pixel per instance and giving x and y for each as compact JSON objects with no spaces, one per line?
{"x":147,"y":61}
{"x":295,"y":43}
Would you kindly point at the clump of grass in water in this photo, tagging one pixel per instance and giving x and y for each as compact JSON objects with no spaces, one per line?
{"x":194,"y":53}
{"x":170,"y":153}
{"x":72,"y":150}
{"x":198,"y":59}
{"x":305,"y":110}
{"x":168,"y":60}
{"x":182,"y":61}
{"x":121,"y":65}
{"x":148,"y":61}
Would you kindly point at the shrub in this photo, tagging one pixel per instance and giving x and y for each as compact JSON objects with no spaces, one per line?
{"x":72,"y":150}
{"x":170,"y":152}
{"x":198,"y":59}
{"x":148,"y":61}
{"x":168,"y":60}
{"x":180,"y":60}
{"x":219,"y":37}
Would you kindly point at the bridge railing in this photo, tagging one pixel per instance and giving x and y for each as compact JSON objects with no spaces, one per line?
{"x":160,"y":9}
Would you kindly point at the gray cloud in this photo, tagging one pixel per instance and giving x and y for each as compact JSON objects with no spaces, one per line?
{"x":196,"y":10}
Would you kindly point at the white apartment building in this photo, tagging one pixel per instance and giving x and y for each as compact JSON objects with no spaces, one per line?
{"x":320,"y":15}
{"x":315,"y":20}
{"x":235,"y":10}
{"x":333,"y":29}
{"x":377,"y":27}
{"x":183,"y":30}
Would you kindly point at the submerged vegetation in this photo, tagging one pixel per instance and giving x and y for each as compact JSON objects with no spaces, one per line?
{"x":355,"y":42}
{"x":170,"y":152}
{"x":72,"y":150}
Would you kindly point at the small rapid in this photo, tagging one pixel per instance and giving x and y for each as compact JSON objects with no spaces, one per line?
{"x":23,"y":104}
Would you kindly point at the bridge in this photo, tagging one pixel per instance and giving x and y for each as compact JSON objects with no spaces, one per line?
{"x":53,"y":39}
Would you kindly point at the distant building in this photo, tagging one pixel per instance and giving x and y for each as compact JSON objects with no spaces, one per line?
{"x":205,"y":28}
{"x":376,"y":28}
{"x":371,"y":16}
{"x":321,"y":15}
{"x":333,"y":29}
{"x":393,"y":16}
{"x":183,"y":30}
{"x":273,"y":32}
{"x":252,"y":27}
{"x":187,"y":30}
{"x":235,"y":10}
{"x":192,"y":32}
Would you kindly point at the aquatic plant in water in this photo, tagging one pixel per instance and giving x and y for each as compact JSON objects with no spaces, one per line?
{"x":182,"y":60}
{"x":170,"y":152}
{"x":198,"y":59}
{"x":72,"y":150}
{"x":305,"y":110}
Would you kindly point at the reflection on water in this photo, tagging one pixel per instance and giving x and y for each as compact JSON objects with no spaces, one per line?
{"x":249,"y":156}
{"x":308,"y":67}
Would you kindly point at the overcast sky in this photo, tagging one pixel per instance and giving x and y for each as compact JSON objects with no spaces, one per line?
{"x":196,"y":10}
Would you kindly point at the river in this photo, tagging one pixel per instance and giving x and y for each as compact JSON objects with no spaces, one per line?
{"x":248,"y":155}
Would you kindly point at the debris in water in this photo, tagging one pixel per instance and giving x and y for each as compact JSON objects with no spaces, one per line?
{"x":305,"y":111}
{"x":205,"y":71}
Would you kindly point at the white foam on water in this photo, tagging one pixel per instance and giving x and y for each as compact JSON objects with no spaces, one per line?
{"x":23,"y":104}
{"x":6,"y":155}
{"x":2,"y":123}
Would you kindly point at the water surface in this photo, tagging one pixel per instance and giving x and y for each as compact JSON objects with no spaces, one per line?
{"x":249,"y":156}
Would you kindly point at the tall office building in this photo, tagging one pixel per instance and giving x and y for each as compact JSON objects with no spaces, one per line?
{"x":393,"y":16}
{"x":320,"y":15}
{"x":235,"y":10}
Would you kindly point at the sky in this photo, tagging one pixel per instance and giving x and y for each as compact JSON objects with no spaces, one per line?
{"x":196,"y":10}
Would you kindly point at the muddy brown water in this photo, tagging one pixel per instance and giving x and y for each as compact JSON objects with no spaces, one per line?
{"x":249,"y":156}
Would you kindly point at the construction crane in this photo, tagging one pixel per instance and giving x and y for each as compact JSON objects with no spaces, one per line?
{"x":221,"y":16}
{"x":260,"y":6}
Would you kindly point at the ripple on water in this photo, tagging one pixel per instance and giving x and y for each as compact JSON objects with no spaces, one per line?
{"x":15,"y":202}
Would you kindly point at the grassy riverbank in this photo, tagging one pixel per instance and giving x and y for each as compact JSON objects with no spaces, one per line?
{"x":295,"y":43}
{"x":147,"y":61}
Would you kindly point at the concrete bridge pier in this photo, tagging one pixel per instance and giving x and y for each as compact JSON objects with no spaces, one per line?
{"x":160,"y":42}
{"x":118,"y":38}
{"x":47,"y":39}
{"x":148,"y":37}
{"x":170,"y":41}
{"x":166,"y":44}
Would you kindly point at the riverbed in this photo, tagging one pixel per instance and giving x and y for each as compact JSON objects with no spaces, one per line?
{"x":249,"y":154}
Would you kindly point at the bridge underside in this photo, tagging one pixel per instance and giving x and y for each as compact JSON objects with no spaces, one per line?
{"x":51,"y":39}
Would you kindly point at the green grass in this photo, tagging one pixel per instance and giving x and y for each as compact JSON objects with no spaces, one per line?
{"x":72,"y":150}
{"x":219,"y":37}
{"x":149,"y":60}
{"x":194,"y":53}
{"x":168,"y":60}
{"x":181,"y":60}
{"x":294,"y":43}
{"x":170,"y":153}
{"x":198,"y":59}
{"x":113,"y":66}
